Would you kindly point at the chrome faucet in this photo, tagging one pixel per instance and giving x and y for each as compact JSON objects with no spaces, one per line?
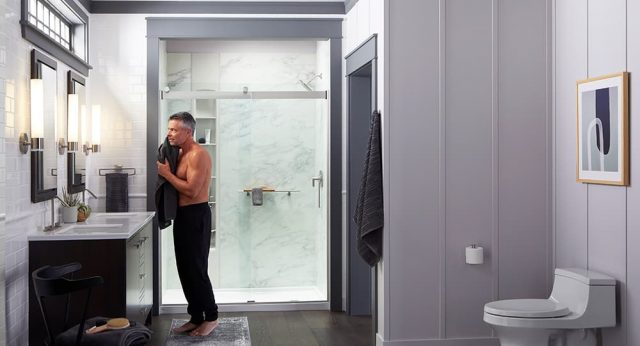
{"x":53,"y":224}
{"x":60,"y":199}
{"x":91,"y":193}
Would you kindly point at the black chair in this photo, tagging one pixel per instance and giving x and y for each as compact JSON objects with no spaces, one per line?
{"x":49,"y":281}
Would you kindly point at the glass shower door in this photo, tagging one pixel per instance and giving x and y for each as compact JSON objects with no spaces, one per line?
{"x":273,"y":250}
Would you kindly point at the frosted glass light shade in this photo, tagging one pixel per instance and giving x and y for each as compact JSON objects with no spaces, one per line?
{"x":96,"y":113}
{"x":72,"y":118}
{"x":84,"y":124}
{"x":37,"y":108}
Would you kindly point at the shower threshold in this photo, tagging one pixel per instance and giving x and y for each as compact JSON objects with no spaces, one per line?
{"x":253,"y":299}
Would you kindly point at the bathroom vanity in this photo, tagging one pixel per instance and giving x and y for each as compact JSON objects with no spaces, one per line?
{"x":116,"y":246}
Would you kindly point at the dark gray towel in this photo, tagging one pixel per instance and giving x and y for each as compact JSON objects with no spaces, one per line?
{"x":166,"y":194}
{"x":117,"y":192}
{"x":135,"y":334}
{"x":369,"y":214}
{"x":256,"y":196}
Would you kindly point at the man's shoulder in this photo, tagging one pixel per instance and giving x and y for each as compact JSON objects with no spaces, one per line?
{"x":198,"y":152}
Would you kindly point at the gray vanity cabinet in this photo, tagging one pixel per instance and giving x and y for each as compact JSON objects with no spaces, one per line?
{"x":125,"y":264}
{"x":140,"y":275}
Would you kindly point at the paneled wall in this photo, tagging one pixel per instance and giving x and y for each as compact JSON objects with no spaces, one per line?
{"x":595,"y":226}
{"x":466,"y":137}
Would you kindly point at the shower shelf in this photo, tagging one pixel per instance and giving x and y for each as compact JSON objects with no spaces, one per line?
{"x":288,"y":192}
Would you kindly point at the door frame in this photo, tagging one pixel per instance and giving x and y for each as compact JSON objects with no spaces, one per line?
{"x":162,"y":28}
{"x":361,"y":56}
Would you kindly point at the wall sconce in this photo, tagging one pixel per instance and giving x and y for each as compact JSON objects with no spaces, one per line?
{"x":94,"y":145}
{"x":72,"y":126}
{"x":37,"y":119}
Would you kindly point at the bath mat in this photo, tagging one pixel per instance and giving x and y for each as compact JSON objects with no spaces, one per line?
{"x":230,"y":331}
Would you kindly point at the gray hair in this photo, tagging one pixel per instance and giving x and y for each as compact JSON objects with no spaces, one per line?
{"x":187,"y":120}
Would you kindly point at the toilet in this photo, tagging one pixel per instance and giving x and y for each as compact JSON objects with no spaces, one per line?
{"x":581,"y":301}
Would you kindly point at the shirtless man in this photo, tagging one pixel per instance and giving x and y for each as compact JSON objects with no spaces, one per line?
{"x":192,"y":225}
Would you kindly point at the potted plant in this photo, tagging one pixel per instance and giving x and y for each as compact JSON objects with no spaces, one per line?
{"x":83,"y":212}
{"x":70,"y":203}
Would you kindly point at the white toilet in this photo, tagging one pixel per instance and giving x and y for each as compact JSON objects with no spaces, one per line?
{"x":580,"y":302}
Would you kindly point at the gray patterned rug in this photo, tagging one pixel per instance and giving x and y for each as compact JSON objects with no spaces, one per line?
{"x":231,"y":331}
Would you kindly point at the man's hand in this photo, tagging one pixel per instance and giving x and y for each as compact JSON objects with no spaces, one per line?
{"x":164,"y":170}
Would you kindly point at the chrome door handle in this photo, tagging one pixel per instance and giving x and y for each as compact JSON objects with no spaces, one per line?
{"x":320,"y":180}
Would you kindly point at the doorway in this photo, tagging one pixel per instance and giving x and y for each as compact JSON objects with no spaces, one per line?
{"x":361,"y":103}
{"x":215,"y":106}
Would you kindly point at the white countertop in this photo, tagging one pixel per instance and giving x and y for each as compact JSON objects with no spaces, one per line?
{"x":98,"y":226}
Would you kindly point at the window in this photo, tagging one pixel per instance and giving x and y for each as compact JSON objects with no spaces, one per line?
{"x":52,"y":24}
{"x":59,"y":27}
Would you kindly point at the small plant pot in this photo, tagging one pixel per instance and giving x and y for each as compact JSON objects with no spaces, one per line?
{"x":69,"y":214}
{"x":83,"y":215}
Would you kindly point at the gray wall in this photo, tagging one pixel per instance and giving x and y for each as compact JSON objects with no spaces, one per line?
{"x":595,"y":226}
{"x":468,"y":110}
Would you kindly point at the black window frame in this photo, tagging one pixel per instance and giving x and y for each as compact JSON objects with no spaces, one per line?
{"x":43,"y":41}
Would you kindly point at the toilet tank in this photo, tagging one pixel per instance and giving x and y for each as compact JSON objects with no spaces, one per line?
{"x":586,"y":293}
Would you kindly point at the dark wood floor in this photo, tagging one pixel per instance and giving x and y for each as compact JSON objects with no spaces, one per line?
{"x":289,"y":328}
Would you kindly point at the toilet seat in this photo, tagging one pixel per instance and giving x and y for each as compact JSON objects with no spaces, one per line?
{"x":527,"y":308}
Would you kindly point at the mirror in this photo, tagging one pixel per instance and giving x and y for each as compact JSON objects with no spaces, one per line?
{"x":76,"y":160}
{"x":44,"y":160}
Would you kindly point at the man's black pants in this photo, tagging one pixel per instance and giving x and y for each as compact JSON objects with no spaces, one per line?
{"x":191,"y":238}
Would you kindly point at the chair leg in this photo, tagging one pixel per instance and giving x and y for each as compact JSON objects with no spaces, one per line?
{"x":84,"y":318}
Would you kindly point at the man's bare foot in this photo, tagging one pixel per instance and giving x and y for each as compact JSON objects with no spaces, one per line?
{"x":205,"y":328}
{"x":187,"y":327}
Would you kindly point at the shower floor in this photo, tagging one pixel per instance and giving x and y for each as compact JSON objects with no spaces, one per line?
{"x":252,"y":295}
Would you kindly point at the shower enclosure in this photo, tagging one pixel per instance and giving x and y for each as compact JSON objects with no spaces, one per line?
{"x":262,"y":113}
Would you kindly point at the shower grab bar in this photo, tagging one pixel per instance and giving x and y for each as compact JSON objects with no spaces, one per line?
{"x":288,"y":192}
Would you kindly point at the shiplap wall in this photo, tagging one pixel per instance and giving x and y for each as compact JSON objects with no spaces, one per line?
{"x":467,"y":143}
{"x":596,"y":226}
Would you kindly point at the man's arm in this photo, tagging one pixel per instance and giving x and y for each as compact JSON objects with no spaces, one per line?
{"x":196,"y":169}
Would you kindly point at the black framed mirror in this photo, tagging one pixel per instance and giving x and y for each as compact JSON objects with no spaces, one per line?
{"x":76,"y":160}
{"x":43,"y":159}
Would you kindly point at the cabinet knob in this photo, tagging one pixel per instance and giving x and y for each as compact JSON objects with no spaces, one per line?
{"x":141,"y":275}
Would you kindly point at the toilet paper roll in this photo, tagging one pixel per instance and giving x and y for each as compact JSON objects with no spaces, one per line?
{"x":474,"y":255}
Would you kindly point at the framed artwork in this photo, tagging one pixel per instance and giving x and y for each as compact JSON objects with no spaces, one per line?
{"x":603,"y":130}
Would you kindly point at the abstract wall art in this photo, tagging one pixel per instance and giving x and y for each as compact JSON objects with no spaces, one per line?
{"x":603,"y":130}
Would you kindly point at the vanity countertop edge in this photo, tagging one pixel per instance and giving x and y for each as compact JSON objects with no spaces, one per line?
{"x":101,"y":225}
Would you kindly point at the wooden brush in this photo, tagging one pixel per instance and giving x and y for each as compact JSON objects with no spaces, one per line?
{"x":114,"y":323}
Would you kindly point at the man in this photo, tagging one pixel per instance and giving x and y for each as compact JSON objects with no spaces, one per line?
{"x":192,"y":225}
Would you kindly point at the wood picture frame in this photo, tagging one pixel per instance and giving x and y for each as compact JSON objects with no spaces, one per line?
{"x":602,"y":142}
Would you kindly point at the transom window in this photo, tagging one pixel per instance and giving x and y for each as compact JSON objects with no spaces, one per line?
{"x":60,"y":28}
{"x":50,"y":22}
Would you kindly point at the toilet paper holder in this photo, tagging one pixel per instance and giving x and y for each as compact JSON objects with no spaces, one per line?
{"x":474,"y":254}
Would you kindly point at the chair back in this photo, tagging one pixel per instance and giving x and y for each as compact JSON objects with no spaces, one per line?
{"x":50,"y":281}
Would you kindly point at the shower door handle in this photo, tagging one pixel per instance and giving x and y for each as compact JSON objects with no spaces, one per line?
{"x":320,"y":180}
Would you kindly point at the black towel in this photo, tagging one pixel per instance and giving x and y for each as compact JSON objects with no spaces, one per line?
{"x":135,"y":334}
{"x":117,"y":192}
{"x":166,"y":194}
{"x":369,"y":214}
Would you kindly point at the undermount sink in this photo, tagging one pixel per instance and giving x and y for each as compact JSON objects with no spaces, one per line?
{"x":114,"y":218}
{"x":91,"y":228}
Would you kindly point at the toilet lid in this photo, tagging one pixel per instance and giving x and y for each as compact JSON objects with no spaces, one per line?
{"x":532,"y":308}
